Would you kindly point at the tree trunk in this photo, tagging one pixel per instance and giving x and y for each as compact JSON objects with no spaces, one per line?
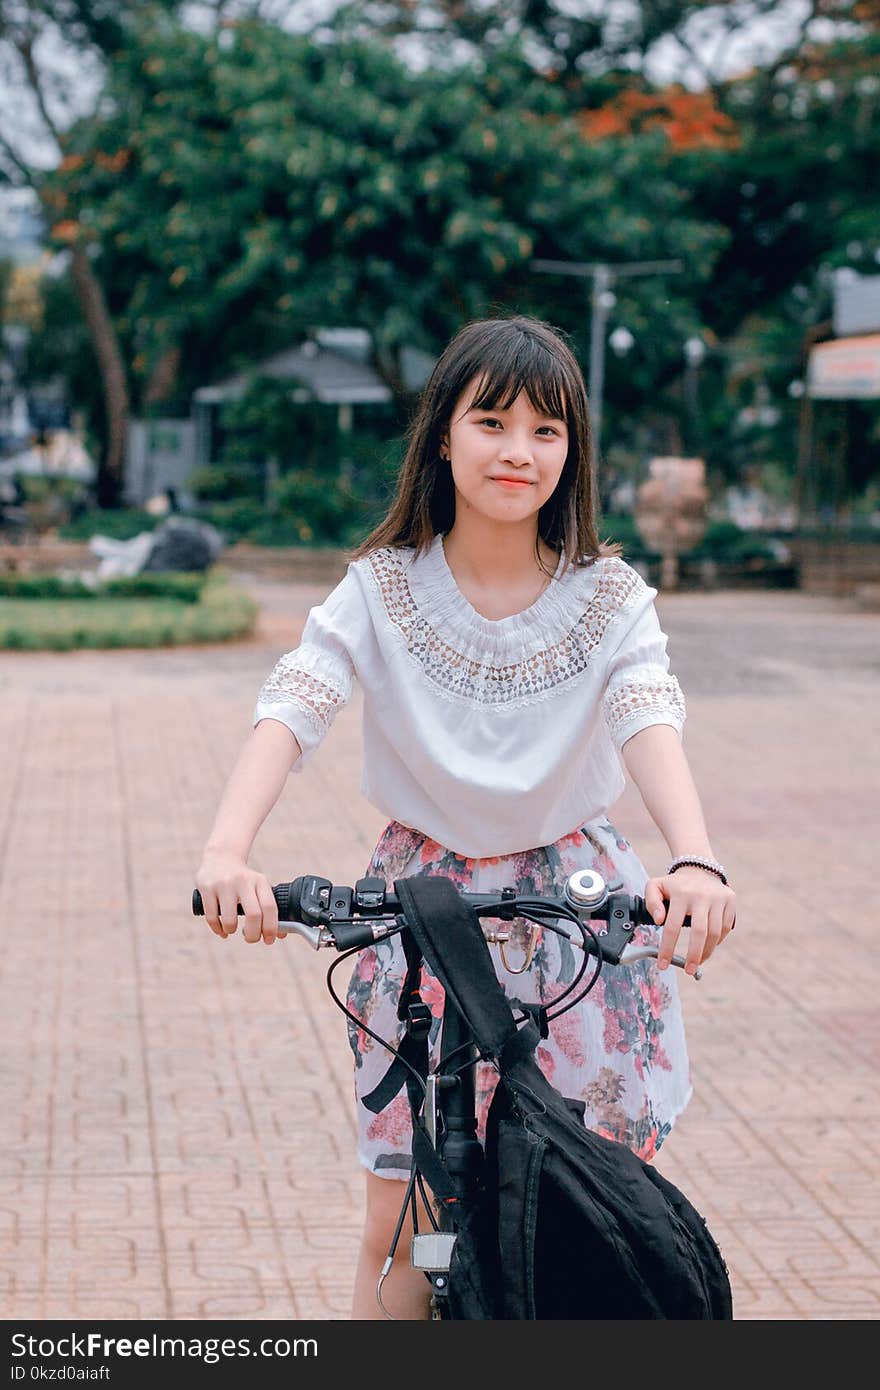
{"x":113,"y":378}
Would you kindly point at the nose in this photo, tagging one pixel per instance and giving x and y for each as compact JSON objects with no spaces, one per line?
{"x":516,"y":450}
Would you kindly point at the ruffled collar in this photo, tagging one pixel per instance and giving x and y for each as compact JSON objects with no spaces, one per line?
{"x":554,"y":612}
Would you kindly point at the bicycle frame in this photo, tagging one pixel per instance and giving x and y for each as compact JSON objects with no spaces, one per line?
{"x":450,"y":1119}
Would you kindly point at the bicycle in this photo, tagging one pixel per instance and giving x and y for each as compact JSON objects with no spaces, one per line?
{"x":352,"y":918}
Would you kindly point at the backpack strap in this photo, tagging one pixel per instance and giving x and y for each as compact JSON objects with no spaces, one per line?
{"x":520,"y":1046}
{"x":449,"y":937}
{"x":445,"y":931}
{"x":537,"y":1013}
{"x":413,"y":1047}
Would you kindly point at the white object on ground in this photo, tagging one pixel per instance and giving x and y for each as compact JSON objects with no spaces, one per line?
{"x":119,"y":559}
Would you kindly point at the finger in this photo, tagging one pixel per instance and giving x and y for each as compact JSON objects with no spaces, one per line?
{"x":654,"y":900}
{"x":253,"y":915}
{"x":269,"y":909}
{"x":211,"y":910}
{"x":729,"y":916}
{"x":228,"y":900}
{"x":268,"y":904}
{"x":713,"y":934}
{"x":699,"y":914}
{"x":674,"y":919}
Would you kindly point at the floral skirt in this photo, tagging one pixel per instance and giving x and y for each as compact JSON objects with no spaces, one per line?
{"x":621,"y":1049}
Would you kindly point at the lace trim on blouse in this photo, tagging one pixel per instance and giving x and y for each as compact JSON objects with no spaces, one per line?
{"x":638,"y":697}
{"x":300,"y":679}
{"x":456,"y":673}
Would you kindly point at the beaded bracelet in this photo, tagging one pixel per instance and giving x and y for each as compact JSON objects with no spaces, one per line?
{"x":711,"y":865}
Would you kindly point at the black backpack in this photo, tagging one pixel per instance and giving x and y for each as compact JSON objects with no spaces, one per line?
{"x":566,"y":1224}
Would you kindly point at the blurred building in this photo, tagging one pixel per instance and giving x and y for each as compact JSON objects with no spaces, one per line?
{"x":843,"y":372}
{"x":22,"y":232}
{"x":332,"y":367}
{"x":839,"y":446}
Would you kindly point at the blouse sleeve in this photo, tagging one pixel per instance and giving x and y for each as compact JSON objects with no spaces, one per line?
{"x":309,"y":686}
{"x":640,"y":690}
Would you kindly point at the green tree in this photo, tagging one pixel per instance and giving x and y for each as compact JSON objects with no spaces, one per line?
{"x":241,"y":186}
{"x":49,"y":49}
{"x":796,"y":198}
{"x":250,"y":186}
{"x":791,"y":197}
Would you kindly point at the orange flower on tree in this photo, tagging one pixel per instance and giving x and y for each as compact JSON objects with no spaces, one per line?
{"x":68,"y":230}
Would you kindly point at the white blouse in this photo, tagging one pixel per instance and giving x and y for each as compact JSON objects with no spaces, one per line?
{"x":488,"y":736}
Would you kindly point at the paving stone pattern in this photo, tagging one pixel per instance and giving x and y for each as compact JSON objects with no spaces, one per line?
{"x":178,"y":1110}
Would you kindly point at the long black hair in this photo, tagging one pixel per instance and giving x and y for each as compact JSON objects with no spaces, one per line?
{"x":504,"y":356}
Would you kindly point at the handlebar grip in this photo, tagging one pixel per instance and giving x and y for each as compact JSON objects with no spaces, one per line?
{"x":286,"y":895}
{"x":199,"y":906}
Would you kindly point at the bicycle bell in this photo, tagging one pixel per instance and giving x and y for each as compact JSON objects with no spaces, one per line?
{"x":586,"y":889}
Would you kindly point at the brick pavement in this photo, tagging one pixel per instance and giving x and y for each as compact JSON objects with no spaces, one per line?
{"x":179,"y":1109}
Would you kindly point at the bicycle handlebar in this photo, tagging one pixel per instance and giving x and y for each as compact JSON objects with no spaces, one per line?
{"x":327,"y":914}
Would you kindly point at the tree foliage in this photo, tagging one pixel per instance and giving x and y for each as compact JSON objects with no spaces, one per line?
{"x":239,"y":186}
{"x":242,"y":193}
{"x":47,"y":48}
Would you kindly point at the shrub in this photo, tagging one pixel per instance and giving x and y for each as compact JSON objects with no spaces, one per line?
{"x":222,"y":612}
{"x":52,"y":500}
{"x":185,"y":587}
{"x":235,"y":519}
{"x":307,"y":508}
{"x":120,"y":524}
{"x":622,"y":528}
{"x":728,"y":544}
{"x":286,"y":475}
{"x":316,"y":506}
{"x":723,"y":541}
{"x":228,"y":481}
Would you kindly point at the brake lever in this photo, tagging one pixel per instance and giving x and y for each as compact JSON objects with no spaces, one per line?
{"x":315,"y":936}
{"x":632,"y":953}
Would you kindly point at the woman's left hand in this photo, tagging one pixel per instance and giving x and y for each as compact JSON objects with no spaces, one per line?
{"x":702,"y":896}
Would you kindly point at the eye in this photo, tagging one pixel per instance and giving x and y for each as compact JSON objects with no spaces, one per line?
{"x":491,"y":420}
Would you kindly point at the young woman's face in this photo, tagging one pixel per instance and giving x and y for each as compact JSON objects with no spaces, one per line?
{"x":505,"y":463}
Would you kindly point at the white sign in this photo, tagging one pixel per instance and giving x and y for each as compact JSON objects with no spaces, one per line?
{"x":856,"y":304}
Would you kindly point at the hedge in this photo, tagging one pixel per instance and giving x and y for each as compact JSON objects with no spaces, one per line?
{"x":221,"y":612}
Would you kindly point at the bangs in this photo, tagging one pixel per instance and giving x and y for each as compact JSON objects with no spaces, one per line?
{"x":520,"y":364}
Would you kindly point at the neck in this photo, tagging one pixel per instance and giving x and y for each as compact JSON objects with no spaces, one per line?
{"x":492,"y":552}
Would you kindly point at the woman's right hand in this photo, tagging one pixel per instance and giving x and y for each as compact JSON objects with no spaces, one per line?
{"x":225,"y":880}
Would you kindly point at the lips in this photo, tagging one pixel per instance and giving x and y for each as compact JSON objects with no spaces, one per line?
{"x":512,"y":482}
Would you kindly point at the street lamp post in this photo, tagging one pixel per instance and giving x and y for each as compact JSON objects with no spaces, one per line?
{"x":621,"y":342}
{"x":694,"y":355}
{"x":602,"y":299}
